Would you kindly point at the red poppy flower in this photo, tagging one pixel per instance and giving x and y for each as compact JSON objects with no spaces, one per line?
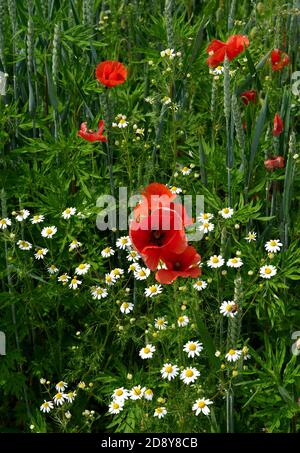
{"x":274,"y":162}
{"x":157,"y":195}
{"x":92,"y":136}
{"x":185,"y":264}
{"x":231,"y":48}
{"x":279,"y":59}
{"x":158,"y":234}
{"x":111,"y":73}
{"x":278,"y":125}
{"x":249,"y":96}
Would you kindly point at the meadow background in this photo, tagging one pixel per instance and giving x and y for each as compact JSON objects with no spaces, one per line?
{"x":190,"y":118}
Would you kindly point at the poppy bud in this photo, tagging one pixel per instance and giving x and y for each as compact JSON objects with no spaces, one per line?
{"x":278,"y":125}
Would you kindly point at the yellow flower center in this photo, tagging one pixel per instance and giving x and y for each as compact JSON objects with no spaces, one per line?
{"x":39,"y":252}
{"x":199,"y":283}
{"x":206,"y":224}
{"x":3,"y":222}
{"x":185,"y":169}
{"x":67,"y":211}
{"x":106,"y":250}
{"x":169,"y":369}
{"x":226,"y":210}
{"x":49,"y":231}
{"x":137,"y":391}
{"x":189,"y":373}
{"x":116,"y":406}
{"x":273,"y":243}
{"x":146,"y":350}
{"x":123,"y":241}
{"x":228,"y":307}
{"x":74,"y":281}
{"x":173,"y":189}
{"x":268,"y":270}
{"x":180,"y":319}
{"x":234,"y":260}
{"x":160,"y":322}
{"x":119,"y":392}
{"x":153,"y":289}
{"x":125,"y":305}
{"x":201,"y":404}
{"x":192,"y":347}
{"x":58,"y":396}
{"x":215,"y":259}
{"x":122,"y":121}
{"x":159,"y":410}
{"x":149,"y":392}
{"x":142,"y":273}
{"x":231,"y":352}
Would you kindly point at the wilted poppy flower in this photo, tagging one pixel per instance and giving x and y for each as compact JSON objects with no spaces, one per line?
{"x":92,"y":136}
{"x":278,"y":125}
{"x":111,"y":73}
{"x":158,"y":234}
{"x":249,"y":96}
{"x":231,"y":48}
{"x":279,"y":59}
{"x":274,"y":162}
{"x":185,"y":264}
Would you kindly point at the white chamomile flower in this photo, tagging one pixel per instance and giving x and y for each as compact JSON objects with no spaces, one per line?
{"x":142,"y":273}
{"x":148,"y":394}
{"x":59,"y":398}
{"x":63,"y":278}
{"x":170,"y":53}
{"x":193,"y":348}
{"x":126,"y":307}
{"x":22,"y":215}
{"x":98,"y":292}
{"x":233,"y":355}
{"x":61,"y":386}
{"x":175,"y":190}
{"x":74,"y":245}
{"x":206,"y":227}
{"x":189,"y":375}
{"x":169,"y":371}
{"x":4,"y":223}
{"x":121,"y":121}
{"x":228,"y":308}
{"x":74,"y":283}
{"x":205,"y":217}
{"x":70,"y":396}
{"x":147,"y":351}
{"x":107,"y":252}
{"x":160,"y":324}
{"x":123,"y":242}
{"x":46,"y":406}
{"x":40,"y":254}
{"x":52,"y":269}
{"x":133,"y":267}
{"x":183,"y":321}
{"x":68,"y":415}
{"x":245,"y":353}
{"x":160,"y":412}
{"x":201,"y":405}
{"x":186,"y":171}
{"x":166,"y":100}
{"x":133,"y":256}
{"x":117,"y":272}
{"x":199,"y":285}
{"x":82,"y":385}
{"x":67,"y":213}
{"x":110,"y":279}
{"x":48,"y":232}
{"x":217,"y":71}
{"x":24,"y":245}
{"x":273,"y":245}
{"x":82,"y":269}
{"x":251,"y":236}
{"x":226,"y":213}
{"x":137,"y":392}
{"x":234,"y":262}
{"x":153,"y":290}
{"x":116,"y":407}
{"x":38,"y":218}
{"x":215,"y":261}
{"x":267,"y":271}
{"x":120,"y":394}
